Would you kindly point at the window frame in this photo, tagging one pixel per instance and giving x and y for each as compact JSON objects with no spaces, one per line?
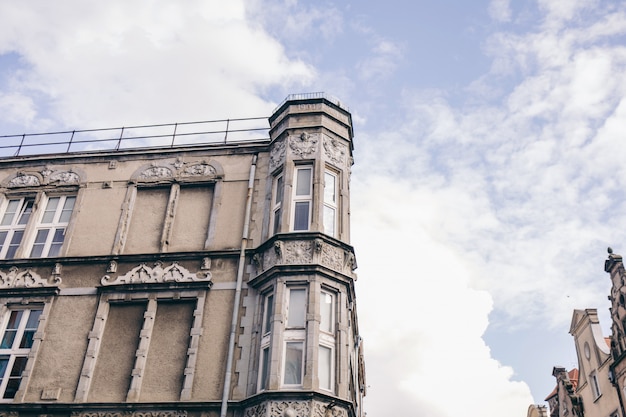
{"x":331,"y":206}
{"x":327,"y":338}
{"x":293,"y":334}
{"x":265,"y":351}
{"x":595,"y":385}
{"x":14,"y":351}
{"x":52,"y":227}
{"x":299,"y":199}
{"x":15,"y":224}
{"x":278,"y":190}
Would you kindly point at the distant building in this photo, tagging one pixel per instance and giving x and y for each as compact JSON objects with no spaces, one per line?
{"x":563,"y":400}
{"x":192,"y":280}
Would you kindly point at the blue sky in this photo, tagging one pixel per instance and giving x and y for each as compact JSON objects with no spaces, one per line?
{"x":487,"y":146}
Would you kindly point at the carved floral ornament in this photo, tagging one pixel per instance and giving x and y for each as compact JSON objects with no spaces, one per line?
{"x":44,"y":177}
{"x":334,"y":151}
{"x":295,"y":409}
{"x":178,"y":169}
{"x":29,"y":278}
{"x":129,"y":414}
{"x":144,"y":274}
{"x":304,"y":252}
{"x":304,"y":145}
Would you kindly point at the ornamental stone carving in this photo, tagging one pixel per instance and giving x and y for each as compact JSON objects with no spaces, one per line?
{"x":335,"y":152}
{"x":65,"y":177}
{"x":290,"y":409}
{"x":327,"y":410}
{"x":298,"y":252}
{"x":24,"y":180}
{"x":201,"y":169}
{"x":332,"y":257}
{"x":27,"y":279}
{"x":304,"y":145}
{"x":129,"y":414}
{"x":277,"y":155}
{"x":143,"y":274}
{"x":259,"y":410}
{"x":155,"y":173}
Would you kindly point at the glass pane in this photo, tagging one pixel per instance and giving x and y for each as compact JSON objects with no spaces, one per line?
{"x":16,"y":239}
{"x":12,"y":207}
{"x":51,"y":208}
{"x":16,"y":377}
{"x":265,"y":370}
{"x":3,"y":237}
{"x":276,"y":221}
{"x":11,"y":329}
{"x":297,"y":308}
{"x":329,"y":189}
{"x":31,"y":328}
{"x":326,"y":312}
{"x":279,"y":190}
{"x":301,"y":216}
{"x":67,"y":209}
{"x":303,"y":181}
{"x":27,"y":209}
{"x":329,"y":221}
{"x":57,"y":242}
{"x":324,"y":367}
{"x":4,"y":362}
{"x":40,"y":241}
{"x":269,"y":312}
{"x":293,"y":363}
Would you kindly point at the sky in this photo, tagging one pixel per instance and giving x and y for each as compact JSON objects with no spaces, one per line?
{"x":488,"y":180}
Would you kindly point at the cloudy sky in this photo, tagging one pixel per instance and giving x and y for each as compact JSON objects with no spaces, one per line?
{"x":489,"y":176}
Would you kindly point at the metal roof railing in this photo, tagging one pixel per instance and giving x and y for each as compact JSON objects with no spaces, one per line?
{"x":309,"y":96}
{"x":134,"y":137}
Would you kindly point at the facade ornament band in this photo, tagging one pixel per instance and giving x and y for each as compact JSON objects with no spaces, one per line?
{"x":24,"y":180}
{"x":143,"y":274}
{"x":303,"y":145}
{"x":277,"y":155}
{"x":28,"y":278}
{"x":334,"y":151}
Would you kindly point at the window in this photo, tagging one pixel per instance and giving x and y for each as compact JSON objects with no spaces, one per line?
{"x":330,"y":203}
{"x":268,"y":312}
{"x":49,"y":226}
{"x":326,"y":368}
{"x":14,"y":220}
{"x":277,"y":203}
{"x":595,"y":387}
{"x":17,"y":340}
{"x":295,"y":334}
{"x":50,"y":232}
{"x":302,"y":198}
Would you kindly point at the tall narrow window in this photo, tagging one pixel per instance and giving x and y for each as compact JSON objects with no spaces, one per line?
{"x":277,"y":203}
{"x":302,"y":198}
{"x":51,"y":228}
{"x":330,"y":203}
{"x":295,"y":335}
{"x":595,"y":386}
{"x":17,"y":340}
{"x":326,"y":362}
{"x":268,"y":312}
{"x":14,"y":220}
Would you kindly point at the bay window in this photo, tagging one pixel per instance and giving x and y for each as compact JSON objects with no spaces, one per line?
{"x":294,"y":336}
{"x":302,"y":198}
{"x":330,"y":203}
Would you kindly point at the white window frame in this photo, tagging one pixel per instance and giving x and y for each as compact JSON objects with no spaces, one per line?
{"x":331,"y":203}
{"x":52,"y":227}
{"x":278,"y":196}
{"x":266,"y":331}
{"x":299,"y":199}
{"x":595,"y":385}
{"x":15,"y":351}
{"x":327,"y":337}
{"x":14,"y":225}
{"x":294,"y":334}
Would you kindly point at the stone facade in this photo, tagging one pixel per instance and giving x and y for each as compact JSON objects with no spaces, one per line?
{"x":196,"y":280}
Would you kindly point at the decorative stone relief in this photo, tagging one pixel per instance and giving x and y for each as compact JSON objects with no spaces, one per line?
{"x":298,"y":252}
{"x":332,"y":257}
{"x":155,"y":173}
{"x":129,"y":414}
{"x":144,"y":274}
{"x":259,"y":410}
{"x":65,"y":177}
{"x":335,"y":152}
{"x":323,"y":410}
{"x":303,"y":145}
{"x":277,"y":155}
{"x":290,"y":409}
{"x":24,"y":180}
{"x":201,"y":169}
{"x":27,"y":279}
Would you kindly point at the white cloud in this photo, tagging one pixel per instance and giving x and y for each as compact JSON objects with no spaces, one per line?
{"x":500,"y":10}
{"x":114,"y":63}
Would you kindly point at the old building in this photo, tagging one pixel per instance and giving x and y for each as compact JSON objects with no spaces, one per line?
{"x":183,"y":280}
